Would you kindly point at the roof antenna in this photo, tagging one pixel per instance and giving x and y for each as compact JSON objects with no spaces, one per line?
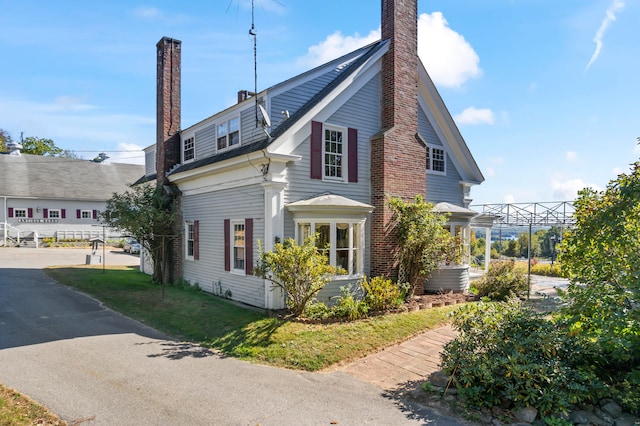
{"x":252,"y":33}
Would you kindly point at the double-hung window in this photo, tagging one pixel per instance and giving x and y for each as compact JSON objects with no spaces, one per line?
{"x":54,"y":214}
{"x":340,"y":241}
{"x":85,"y":214}
{"x":436,"y":160}
{"x":22,"y":213}
{"x":228,"y":133}
{"x":238,"y":247}
{"x":191,"y":231}
{"x":334,"y":153}
{"x":189,"y":149}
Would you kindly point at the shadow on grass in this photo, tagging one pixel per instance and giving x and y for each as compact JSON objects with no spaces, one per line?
{"x":252,"y":337}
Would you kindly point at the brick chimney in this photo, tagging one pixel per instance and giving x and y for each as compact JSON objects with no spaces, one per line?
{"x":168,"y":106}
{"x":168,"y":137}
{"x":398,"y":158}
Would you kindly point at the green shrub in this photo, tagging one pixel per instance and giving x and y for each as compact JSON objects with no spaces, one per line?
{"x":501,"y":282}
{"x":349,"y":306}
{"x":381,"y":294}
{"x":317,"y":310}
{"x":506,"y":354}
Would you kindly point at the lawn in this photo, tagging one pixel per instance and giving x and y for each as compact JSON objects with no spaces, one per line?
{"x":18,"y":410}
{"x":239,"y":331}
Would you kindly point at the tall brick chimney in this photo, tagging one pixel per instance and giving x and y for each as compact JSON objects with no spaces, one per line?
{"x":168,"y":106}
{"x":398,"y":158}
{"x":168,"y":138}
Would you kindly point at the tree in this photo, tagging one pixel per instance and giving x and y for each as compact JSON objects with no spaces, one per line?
{"x":146,"y":213}
{"x":423,"y":240}
{"x":5,"y":139}
{"x":301,"y":271}
{"x":40,"y":146}
{"x":601,"y":253}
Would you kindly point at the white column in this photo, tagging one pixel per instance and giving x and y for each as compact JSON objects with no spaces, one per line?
{"x":273,"y":228}
{"x":487,"y":249}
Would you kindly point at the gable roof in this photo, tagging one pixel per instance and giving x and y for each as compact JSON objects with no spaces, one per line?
{"x":361,"y":56}
{"x":36,"y":176}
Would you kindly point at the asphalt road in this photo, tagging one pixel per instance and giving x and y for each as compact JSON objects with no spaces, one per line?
{"x":89,"y":364}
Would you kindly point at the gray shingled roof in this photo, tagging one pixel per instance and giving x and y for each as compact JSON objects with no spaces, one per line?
{"x":64,"y":178}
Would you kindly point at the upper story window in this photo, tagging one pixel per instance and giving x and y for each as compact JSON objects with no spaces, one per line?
{"x":333,"y":153}
{"x":228,"y":133}
{"x":55,"y":214}
{"x":20,"y":212}
{"x":189,"y":149}
{"x":86,"y":214}
{"x":436,"y":160}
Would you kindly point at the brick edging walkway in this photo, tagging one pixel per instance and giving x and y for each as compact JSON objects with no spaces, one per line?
{"x":414,"y":359}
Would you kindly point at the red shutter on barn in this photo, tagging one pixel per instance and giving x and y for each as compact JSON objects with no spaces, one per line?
{"x":353,"y":155}
{"x":227,"y":245}
{"x":63,"y":213}
{"x":78,"y":214}
{"x":95,"y":214}
{"x":196,"y":239}
{"x":316,"y":150}
{"x":45,"y":213}
{"x":29,"y":212}
{"x":10,"y":212}
{"x":248,"y":246}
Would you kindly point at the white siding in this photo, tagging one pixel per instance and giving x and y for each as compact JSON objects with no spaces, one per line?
{"x":362,"y":113}
{"x":205,"y":142}
{"x":445,"y":188}
{"x":211,"y":209}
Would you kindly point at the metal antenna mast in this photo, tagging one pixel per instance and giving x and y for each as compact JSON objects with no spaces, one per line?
{"x":252,"y":33}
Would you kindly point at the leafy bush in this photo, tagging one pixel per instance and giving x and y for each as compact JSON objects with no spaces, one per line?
{"x":349,"y":306}
{"x":301,"y":271}
{"x":547,"y":270}
{"x":317,"y":310}
{"x":501,"y":282}
{"x":506,"y":354}
{"x":381,"y":294}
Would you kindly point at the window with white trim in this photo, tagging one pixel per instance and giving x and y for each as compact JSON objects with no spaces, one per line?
{"x":436,"y":160}
{"x":341,"y":241}
{"x":228,"y":133}
{"x":238,"y":246}
{"x":84,"y":214}
{"x":20,"y":212}
{"x":54,"y":214}
{"x":190,"y":238}
{"x":188,"y":149}
{"x":334,"y":153}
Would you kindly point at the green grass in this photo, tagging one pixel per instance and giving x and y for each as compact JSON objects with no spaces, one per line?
{"x":240,"y":332}
{"x":18,"y":410}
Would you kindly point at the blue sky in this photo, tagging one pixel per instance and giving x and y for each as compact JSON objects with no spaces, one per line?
{"x":545,"y":93}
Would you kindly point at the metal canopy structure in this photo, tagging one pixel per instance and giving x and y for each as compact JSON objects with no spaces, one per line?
{"x":530,"y":214}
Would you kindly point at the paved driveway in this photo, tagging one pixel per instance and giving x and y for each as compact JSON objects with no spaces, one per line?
{"x":87,"y":363}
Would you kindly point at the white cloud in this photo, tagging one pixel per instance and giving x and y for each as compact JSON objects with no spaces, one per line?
{"x":564,"y":190}
{"x":127,"y":153}
{"x":334,"y":46}
{"x":86,"y":131}
{"x":473,"y":115}
{"x":571,"y":156}
{"x":617,"y":171}
{"x":147,"y":12}
{"x":609,"y":17}
{"x":509,"y":198}
{"x":489,"y":171}
{"x":448,"y":57}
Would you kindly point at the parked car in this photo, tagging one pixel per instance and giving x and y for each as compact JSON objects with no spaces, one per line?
{"x":131,"y":246}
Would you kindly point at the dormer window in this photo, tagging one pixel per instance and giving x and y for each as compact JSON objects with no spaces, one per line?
{"x":189,"y":149}
{"x":228,"y":133}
